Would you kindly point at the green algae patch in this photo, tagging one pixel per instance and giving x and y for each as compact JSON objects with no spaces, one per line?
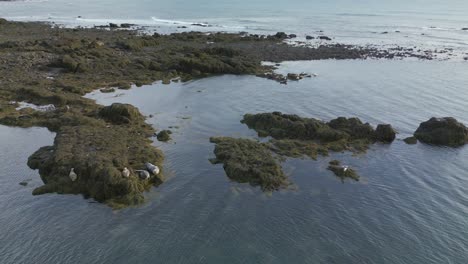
{"x":342,"y":172}
{"x":297,"y":148}
{"x":98,"y":152}
{"x":295,"y":136}
{"x":118,"y":113}
{"x":164,"y":135}
{"x":249,"y":161}
{"x":411,"y":140}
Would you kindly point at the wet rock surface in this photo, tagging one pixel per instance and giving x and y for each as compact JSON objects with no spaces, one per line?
{"x":342,"y":171}
{"x":411,"y":140}
{"x":164,"y":135}
{"x":248,"y":161}
{"x":297,"y":137}
{"x":446,"y":131}
{"x":285,"y":126}
{"x":44,"y":65}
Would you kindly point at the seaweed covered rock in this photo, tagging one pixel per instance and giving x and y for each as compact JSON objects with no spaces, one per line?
{"x":118,"y":113}
{"x":353,"y":127}
{"x":285,"y":126}
{"x":297,"y":148}
{"x":245,"y":160}
{"x":385,"y":133}
{"x":98,"y":155}
{"x":446,"y":131}
{"x":410,"y":140}
{"x":342,"y":171}
{"x":164,"y":135}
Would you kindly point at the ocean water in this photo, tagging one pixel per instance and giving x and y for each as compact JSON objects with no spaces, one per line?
{"x":428,"y":24}
{"x":410,"y":206}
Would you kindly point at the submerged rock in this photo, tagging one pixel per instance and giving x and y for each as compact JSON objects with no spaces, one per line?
{"x":446,"y":131}
{"x":249,"y":161}
{"x":410,"y":140}
{"x":324,"y":38}
{"x":342,"y":171}
{"x":24,"y":183}
{"x":164,"y":135}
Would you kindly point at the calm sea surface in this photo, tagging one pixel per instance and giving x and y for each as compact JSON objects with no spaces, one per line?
{"x":410,"y":207}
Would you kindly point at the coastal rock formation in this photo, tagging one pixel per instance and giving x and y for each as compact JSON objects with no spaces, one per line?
{"x":45,"y":65}
{"x":245,"y":160}
{"x":293,"y":136}
{"x":385,"y":133}
{"x":342,"y":171}
{"x":324,"y":38}
{"x":118,"y":113}
{"x":164,"y":135}
{"x":98,"y":153}
{"x":284,"y":126}
{"x":410,"y":140}
{"x":446,"y":131}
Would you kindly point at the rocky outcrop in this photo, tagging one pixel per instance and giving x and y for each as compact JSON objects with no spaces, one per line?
{"x":245,"y":160}
{"x":446,"y":131}
{"x":410,"y":140}
{"x":342,"y":171}
{"x":385,"y":133}
{"x":164,"y":135}
{"x":118,"y":113}
{"x":284,"y":126}
{"x":324,"y":38}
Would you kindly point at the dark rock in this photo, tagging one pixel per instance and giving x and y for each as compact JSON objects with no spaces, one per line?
{"x":464,"y":28}
{"x":249,"y":161}
{"x":281,"y":35}
{"x":342,"y":171}
{"x":324,"y":38}
{"x":445,"y":131}
{"x":121,"y":113}
{"x":107,"y":90}
{"x":385,"y":133}
{"x":112,"y":25}
{"x":126,"y":25}
{"x":292,"y":36}
{"x":309,"y":37}
{"x":410,"y":140}
{"x":199,"y":25}
{"x":164,"y":135}
{"x":24,"y":183}
{"x":294,"y":77}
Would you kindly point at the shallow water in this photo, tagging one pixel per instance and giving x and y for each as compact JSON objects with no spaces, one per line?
{"x":410,"y":206}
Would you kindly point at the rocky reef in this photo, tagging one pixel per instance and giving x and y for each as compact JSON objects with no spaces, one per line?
{"x":293,"y":133}
{"x":164,"y":135}
{"x":295,"y":137}
{"x":446,"y":131}
{"x":99,"y":150}
{"x":249,"y":161}
{"x":47,"y":65}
